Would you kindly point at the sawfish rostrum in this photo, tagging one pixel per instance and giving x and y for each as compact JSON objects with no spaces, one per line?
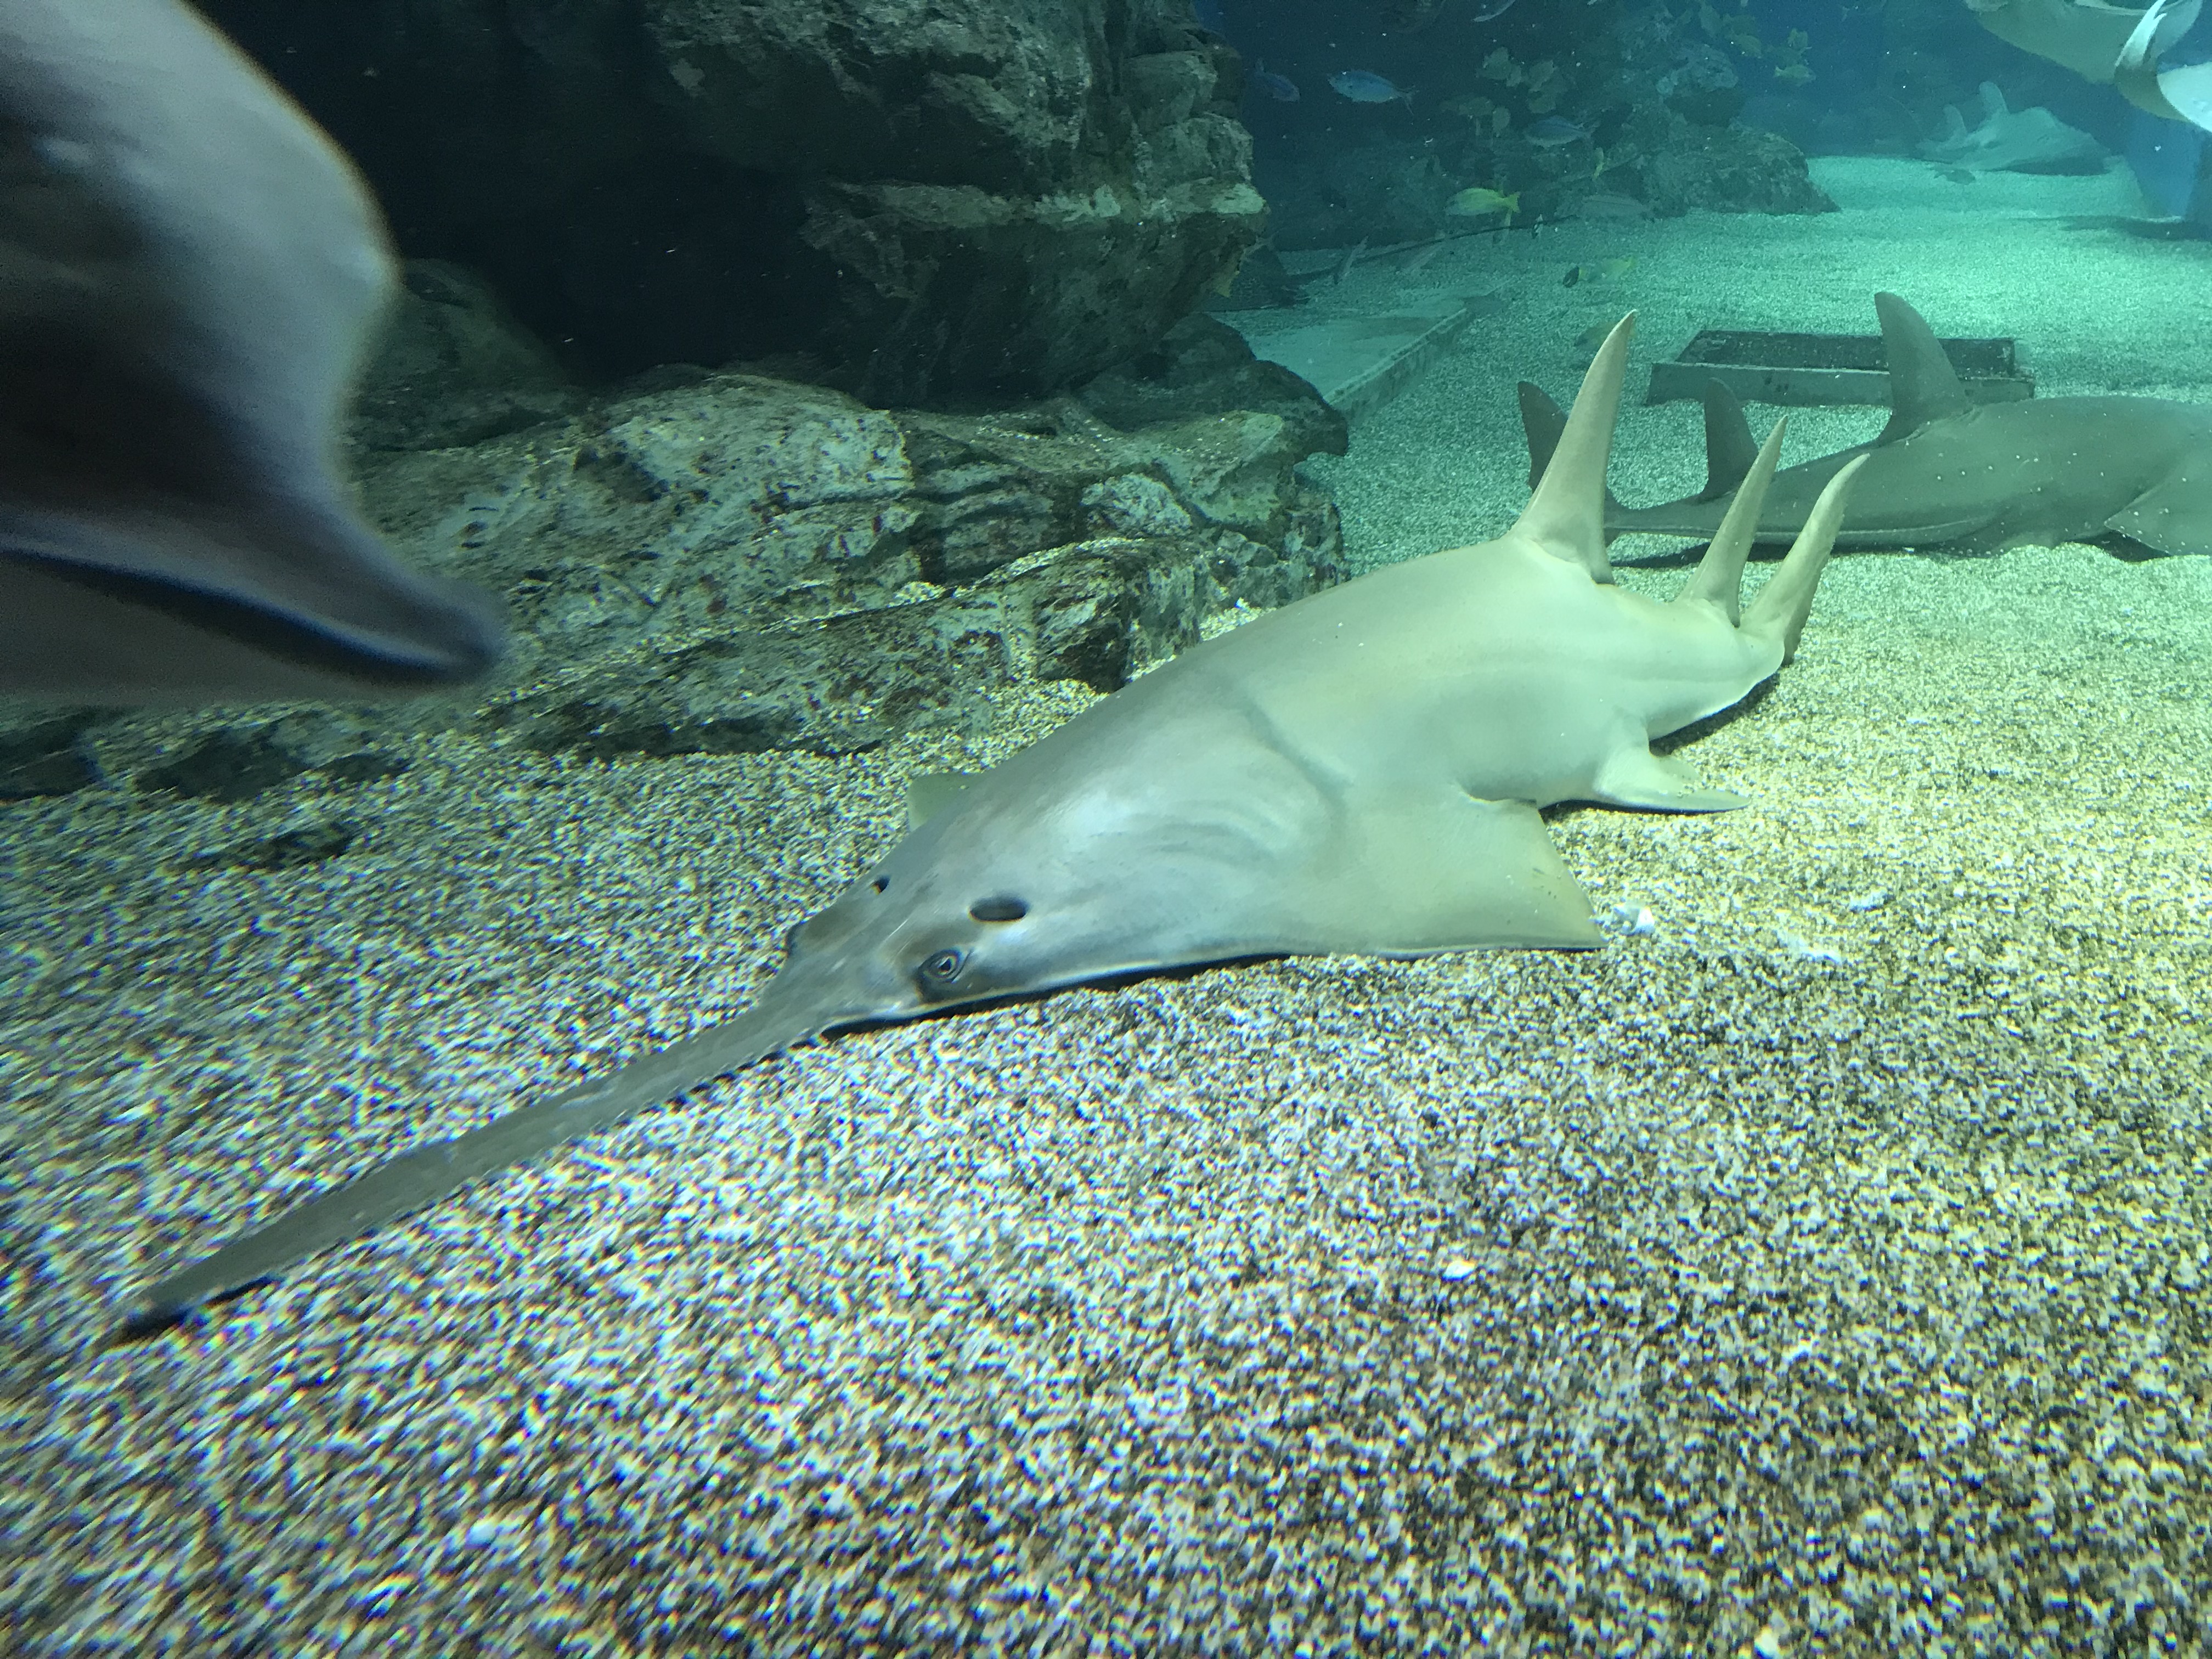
{"x":1962,"y":478}
{"x":189,"y":274}
{"x":1358,"y":773}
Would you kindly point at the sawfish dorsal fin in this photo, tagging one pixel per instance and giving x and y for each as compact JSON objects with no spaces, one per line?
{"x":1923,"y":384}
{"x":1542,"y":421}
{"x":1729,"y":447}
{"x":1719,"y":580}
{"x":1565,"y":516}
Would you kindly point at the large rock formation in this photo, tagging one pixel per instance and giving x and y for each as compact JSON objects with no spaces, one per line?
{"x":933,"y":200}
{"x":718,"y":561}
{"x":1673,"y":164}
{"x":738,"y":562}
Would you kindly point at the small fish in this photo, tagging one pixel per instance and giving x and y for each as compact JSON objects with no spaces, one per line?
{"x":1350,"y":258}
{"x":1479,"y":202}
{"x":1606,"y":204}
{"x":1555,"y":132}
{"x":1597,"y":270}
{"x":1419,"y":258}
{"x":1281,"y":88}
{"x":1494,"y":10}
{"x":1364,"y":87}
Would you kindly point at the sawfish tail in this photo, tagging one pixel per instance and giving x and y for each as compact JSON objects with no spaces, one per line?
{"x":414,"y":1180}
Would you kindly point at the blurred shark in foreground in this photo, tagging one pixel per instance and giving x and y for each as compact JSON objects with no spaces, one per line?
{"x":189,"y":274}
{"x":2124,"y":45}
{"x":1357,"y":774}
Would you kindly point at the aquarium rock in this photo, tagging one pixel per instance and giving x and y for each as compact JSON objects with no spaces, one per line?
{"x":998,"y":203}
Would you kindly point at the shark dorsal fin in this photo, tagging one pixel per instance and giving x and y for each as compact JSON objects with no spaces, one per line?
{"x":1954,"y":125}
{"x":1729,"y":447}
{"x":1923,"y":384}
{"x":1565,"y":516}
{"x":1994,"y":108}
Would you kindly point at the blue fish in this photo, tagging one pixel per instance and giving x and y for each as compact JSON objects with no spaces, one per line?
{"x":1364,"y":87}
{"x":1281,"y":88}
{"x":1553,"y":131}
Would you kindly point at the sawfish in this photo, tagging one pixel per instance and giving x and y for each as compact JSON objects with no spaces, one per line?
{"x":189,"y":273}
{"x":1946,"y":474}
{"x":1358,"y":773}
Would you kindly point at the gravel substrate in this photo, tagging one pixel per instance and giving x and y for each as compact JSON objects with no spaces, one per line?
{"x":1820,"y":1270}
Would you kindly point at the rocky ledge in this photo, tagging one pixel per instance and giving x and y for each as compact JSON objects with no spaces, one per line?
{"x":724,"y":561}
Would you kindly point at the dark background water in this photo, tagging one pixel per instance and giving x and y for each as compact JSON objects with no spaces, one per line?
{"x":1881,"y":76}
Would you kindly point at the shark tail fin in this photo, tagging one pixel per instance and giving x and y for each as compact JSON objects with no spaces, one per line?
{"x":1565,"y":514}
{"x":1542,"y":421}
{"x":1777,"y":615}
{"x":1718,"y":579}
{"x":1923,"y":384}
{"x":1730,"y":452}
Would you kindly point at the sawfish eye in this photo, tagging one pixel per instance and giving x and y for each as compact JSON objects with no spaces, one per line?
{"x":1000,"y":909}
{"x":940,"y":966}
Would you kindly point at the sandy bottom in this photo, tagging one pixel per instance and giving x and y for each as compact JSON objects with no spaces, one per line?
{"x":1821,"y":1270}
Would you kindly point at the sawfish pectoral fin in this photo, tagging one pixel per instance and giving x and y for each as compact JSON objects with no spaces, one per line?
{"x":1659,"y":783}
{"x":2174,"y":515}
{"x":1430,"y":870}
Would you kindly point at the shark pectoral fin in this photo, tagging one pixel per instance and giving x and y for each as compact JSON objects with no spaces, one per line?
{"x":2174,"y":515}
{"x":1659,"y":783}
{"x":928,"y":793}
{"x":1511,"y":887}
{"x":1424,"y":870}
